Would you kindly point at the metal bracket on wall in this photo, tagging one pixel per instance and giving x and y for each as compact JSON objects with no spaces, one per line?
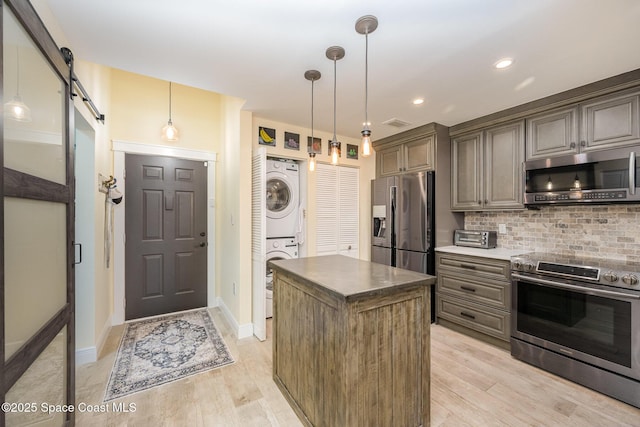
{"x":68,"y":58}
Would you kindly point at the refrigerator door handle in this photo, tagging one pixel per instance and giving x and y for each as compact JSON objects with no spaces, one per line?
{"x":392,"y":203}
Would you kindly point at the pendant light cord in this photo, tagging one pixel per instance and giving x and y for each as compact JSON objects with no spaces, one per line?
{"x":312,"y":139}
{"x":366,"y":79}
{"x":335,"y":78}
{"x":18,"y":71}
{"x":169,"y":101}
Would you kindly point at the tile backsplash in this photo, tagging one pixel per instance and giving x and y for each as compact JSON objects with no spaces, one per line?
{"x":611,"y":231}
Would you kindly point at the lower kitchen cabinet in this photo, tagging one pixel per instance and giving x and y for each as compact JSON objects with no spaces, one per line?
{"x":474,"y":296}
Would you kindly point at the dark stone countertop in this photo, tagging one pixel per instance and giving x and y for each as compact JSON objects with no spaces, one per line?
{"x":351,"y":278}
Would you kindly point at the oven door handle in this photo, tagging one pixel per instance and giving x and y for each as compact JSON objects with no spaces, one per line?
{"x":632,"y":172}
{"x":573,"y":287}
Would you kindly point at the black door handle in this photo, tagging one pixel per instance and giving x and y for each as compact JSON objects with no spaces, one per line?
{"x":203,"y":234}
{"x":203,"y":244}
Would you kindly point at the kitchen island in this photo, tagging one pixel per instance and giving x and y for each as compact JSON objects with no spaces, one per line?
{"x":351,"y":341}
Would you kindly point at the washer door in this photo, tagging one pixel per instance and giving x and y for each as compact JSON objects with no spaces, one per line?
{"x":280,"y":198}
{"x":274,"y":256}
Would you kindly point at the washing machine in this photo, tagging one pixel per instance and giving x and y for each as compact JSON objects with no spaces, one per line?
{"x":278,"y":249}
{"x":283,"y":198}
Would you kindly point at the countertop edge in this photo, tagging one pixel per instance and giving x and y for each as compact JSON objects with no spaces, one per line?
{"x":424,"y":281}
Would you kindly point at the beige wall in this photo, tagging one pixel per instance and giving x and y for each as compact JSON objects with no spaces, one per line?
{"x":366,"y":166}
{"x":96,"y":80}
{"x":140,"y":108}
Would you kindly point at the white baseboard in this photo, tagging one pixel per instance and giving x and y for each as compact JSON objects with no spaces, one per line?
{"x":90,"y":354}
{"x":242,"y":331}
{"x":86,"y":355}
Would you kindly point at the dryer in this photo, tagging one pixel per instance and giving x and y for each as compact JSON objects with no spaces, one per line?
{"x":277,"y":249}
{"x":283,"y":197}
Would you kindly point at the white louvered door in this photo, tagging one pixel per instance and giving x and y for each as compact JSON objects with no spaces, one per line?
{"x":349,"y":199}
{"x":258,"y":241}
{"x":337,"y":213}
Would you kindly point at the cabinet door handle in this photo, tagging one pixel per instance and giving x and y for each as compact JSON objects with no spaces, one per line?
{"x":572,"y":145}
{"x":468,"y":289}
{"x":467,"y":315}
{"x":486,"y":201}
{"x":469,"y":266}
{"x":583,"y":143}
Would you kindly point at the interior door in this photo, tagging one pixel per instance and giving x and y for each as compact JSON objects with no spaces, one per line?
{"x":165,"y":229}
{"x":37,"y":331}
{"x":258,"y":242}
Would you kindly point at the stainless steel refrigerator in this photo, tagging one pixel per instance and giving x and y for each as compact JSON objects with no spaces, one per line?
{"x":404,"y":222}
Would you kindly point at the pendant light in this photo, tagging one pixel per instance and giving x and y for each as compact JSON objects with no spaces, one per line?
{"x":334,"y":53}
{"x":312,"y":75}
{"x":366,"y":25}
{"x":170,"y":132}
{"x":16,"y":109}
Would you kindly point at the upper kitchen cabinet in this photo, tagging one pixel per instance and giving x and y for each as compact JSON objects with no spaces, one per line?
{"x":604,"y":122}
{"x":411,"y":156}
{"x":487,"y":168}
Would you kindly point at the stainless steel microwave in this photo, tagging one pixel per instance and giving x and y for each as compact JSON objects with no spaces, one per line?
{"x":607,"y":176}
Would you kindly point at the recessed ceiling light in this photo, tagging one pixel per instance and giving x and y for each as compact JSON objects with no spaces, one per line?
{"x":503,"y":63}
{"x":418,"y":101}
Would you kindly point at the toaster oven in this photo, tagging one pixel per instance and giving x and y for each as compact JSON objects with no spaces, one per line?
{"x":475,"y":239}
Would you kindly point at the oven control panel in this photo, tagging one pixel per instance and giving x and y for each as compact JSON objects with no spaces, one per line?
{"x":617,"y":274}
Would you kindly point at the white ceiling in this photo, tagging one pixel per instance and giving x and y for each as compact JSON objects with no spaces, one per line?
{"x":442,"y":50}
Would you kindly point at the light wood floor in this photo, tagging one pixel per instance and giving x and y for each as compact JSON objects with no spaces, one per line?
{"x":472,"y":384}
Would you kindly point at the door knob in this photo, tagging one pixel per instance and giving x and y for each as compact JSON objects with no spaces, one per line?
{"x":202,"y":234}
{"x":203,"y":244}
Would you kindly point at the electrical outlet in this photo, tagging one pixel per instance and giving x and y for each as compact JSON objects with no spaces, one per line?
{"x":502,"y":228}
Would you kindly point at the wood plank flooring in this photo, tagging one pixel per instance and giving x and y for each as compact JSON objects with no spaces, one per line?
{"x":472,"y":384}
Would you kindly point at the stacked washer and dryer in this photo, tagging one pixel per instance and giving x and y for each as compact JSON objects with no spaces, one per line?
{"x":283,"y":216}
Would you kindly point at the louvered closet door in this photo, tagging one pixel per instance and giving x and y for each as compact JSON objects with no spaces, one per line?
{"x":337,"y":210}
{"x":258,"y":241}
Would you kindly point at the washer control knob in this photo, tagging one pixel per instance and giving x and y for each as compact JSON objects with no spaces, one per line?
{"x":630,"y":279}
{"x":529,"y":266}
{"x":276,"y":244}
{"x":610,"y":276}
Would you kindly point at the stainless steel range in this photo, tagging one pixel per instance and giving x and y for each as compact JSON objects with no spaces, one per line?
{"x":580,"y":319}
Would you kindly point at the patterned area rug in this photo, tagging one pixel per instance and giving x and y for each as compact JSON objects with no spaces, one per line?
{"x":164,"y":349}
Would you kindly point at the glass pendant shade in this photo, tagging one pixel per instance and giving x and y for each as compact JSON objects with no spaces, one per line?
{"x":312,"y":162}
{"x":334,"y":153}
{"x":170,"y":132}
{"x":17,"y":110}
{"x":366,"y":142}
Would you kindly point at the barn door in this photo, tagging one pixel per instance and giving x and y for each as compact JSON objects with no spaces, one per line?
{"x":37,"y":336}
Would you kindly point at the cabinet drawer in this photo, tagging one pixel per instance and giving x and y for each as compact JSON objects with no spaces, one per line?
{"x":484,"y":291}
{"x":463,"y":264}
{"x":473,"y":316}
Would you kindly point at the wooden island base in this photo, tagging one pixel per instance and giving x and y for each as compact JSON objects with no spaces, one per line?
{"x":351,"y":341}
